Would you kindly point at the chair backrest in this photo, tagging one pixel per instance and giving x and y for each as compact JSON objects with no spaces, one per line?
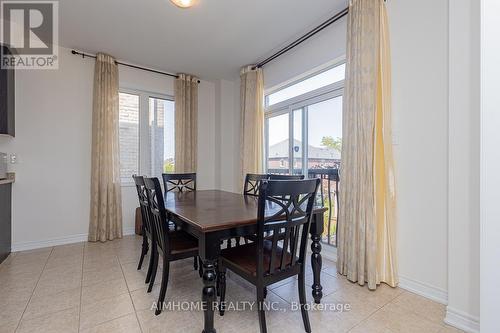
{"x":285,"y":209}
{"x":179,"y":182}
{"x":285,"y":177}
{"x":157,"y":213}
{"x":253,"y":182}
{"x":143,"y":202}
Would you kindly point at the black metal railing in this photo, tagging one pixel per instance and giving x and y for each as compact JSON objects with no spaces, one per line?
{"x":327,"y":197}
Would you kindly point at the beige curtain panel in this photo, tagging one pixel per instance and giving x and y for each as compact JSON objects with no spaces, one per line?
{"x":186,"y":123}
{"x":252,"y":121}
{"x":105,"y":196}
{"x":367,"y":217}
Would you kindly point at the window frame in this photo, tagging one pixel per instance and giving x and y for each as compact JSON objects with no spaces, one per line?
{"x":290,"y":105}
{"x":144,"y":140}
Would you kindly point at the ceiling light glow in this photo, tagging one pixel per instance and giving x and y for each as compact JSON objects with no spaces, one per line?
{"x":183,"y":3}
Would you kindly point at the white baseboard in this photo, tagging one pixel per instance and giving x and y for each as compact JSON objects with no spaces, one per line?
{"x":32,"y":245}
{"x":423,"y":289}
{"x":461,"y":320}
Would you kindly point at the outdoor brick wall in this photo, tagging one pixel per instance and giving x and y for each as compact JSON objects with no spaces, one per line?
{"x":156,"y":134}
{"x":129,"y":136}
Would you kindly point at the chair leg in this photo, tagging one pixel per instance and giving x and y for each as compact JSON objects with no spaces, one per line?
{"x":164,"y":284}
{"x":153,"y":272}
{"x":262,"y":314}
{"x":302,"y":298}
{"x":144,"y":250}
{"x":222,"y":291}
{"x":200,"y":267}
{"x":151,"y":264}
{"x":195,"y":263}
{"x":265,"y":292}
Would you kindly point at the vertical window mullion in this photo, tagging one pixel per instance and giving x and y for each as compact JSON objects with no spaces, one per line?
{"x":266,"y":130}
{"x":305,"y":142}
{"x":290,"y":140}
{"x":144,"y":142}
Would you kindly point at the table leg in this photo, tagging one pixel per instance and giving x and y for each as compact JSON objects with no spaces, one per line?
{"x":209,"y":248}
{"x":316,"y":261}
{"x":208,"y":294}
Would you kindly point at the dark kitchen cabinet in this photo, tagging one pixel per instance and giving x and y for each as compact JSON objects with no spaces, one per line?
{"x":7,"y":97}
{"x":5,"y":220}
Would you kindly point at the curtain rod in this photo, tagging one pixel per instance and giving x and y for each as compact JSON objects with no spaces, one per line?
{"x":305,"y":37}
{"x":127,"y":65}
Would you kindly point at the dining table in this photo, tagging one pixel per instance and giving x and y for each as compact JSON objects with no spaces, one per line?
{"x":213,"y":216}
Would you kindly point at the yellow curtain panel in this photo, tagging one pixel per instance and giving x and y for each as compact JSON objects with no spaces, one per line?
{"x":367,"y":217}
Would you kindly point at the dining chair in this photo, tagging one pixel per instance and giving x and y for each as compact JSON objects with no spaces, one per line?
{"x":179,"y":182}
{"x":253,"y":182}
{"x":147,"y":233}
{"x":285,"y":209}
{"x":273,"y":176}
{"x":172,"y":244}
{"x":182,"y":182}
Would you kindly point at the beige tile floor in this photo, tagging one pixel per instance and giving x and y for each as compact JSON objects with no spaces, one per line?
{"x":94,"y":287}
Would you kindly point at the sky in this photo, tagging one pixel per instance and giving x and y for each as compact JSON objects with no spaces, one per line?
{"x":169,"y":127}
{"x":324,"y":118}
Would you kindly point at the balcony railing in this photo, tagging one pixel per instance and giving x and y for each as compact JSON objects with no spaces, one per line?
{"x":327,"y":197}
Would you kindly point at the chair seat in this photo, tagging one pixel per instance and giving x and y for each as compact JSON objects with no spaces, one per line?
{"x":244,"y":257}
{"x":181,"y":241}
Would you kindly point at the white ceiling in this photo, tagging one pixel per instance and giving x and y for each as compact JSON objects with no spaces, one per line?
{"x":212,"y":40}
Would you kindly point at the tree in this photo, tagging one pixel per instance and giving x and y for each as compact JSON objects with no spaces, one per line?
{"x":333,"y":143}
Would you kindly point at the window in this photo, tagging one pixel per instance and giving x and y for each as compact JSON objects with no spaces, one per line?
{"x":162,"y":136}
{"x":277,"y":146}
{"x":305,"y":128}
{"x":129,"y":135}
{"x":333,"y":75}
{"x":325,"y":135}
{"x":146,"y":134}
{"x":304,"y":134}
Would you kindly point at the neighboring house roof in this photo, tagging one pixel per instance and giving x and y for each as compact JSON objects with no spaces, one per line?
{"x":280,"y":150}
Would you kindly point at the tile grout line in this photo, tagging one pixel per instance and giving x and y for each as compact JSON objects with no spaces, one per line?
{"x":81,"y":287}
{"x":129,"y":294}
{"x":369,"y":316}
{"x":374,"y":312}
{"x":33,"y":292}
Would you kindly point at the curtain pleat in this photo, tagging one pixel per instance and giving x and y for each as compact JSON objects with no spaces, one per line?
{"x":105,"y":209}
{"x":186,"y":123}
{"x":366,"y":249}
{"x":252,"y":121}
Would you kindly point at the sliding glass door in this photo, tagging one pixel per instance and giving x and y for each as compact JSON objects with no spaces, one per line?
{"x":305,"y":137}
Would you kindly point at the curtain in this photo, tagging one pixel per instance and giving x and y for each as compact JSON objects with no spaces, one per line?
{"x":186,"y":123}
{"x":367,"y":220}
{"x":105,"y":196}
{"x":252,"y":121}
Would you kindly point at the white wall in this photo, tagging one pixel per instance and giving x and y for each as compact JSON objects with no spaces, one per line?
{"x":463,"y":208}
{"x":419,"y":35}
{"x":227,"y":135}
{"x":53,"y":143}
{"x":320,"y":49}
{"x":490,"y":164}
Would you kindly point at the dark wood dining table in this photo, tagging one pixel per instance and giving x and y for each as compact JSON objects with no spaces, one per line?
{"x":213,"y":216}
